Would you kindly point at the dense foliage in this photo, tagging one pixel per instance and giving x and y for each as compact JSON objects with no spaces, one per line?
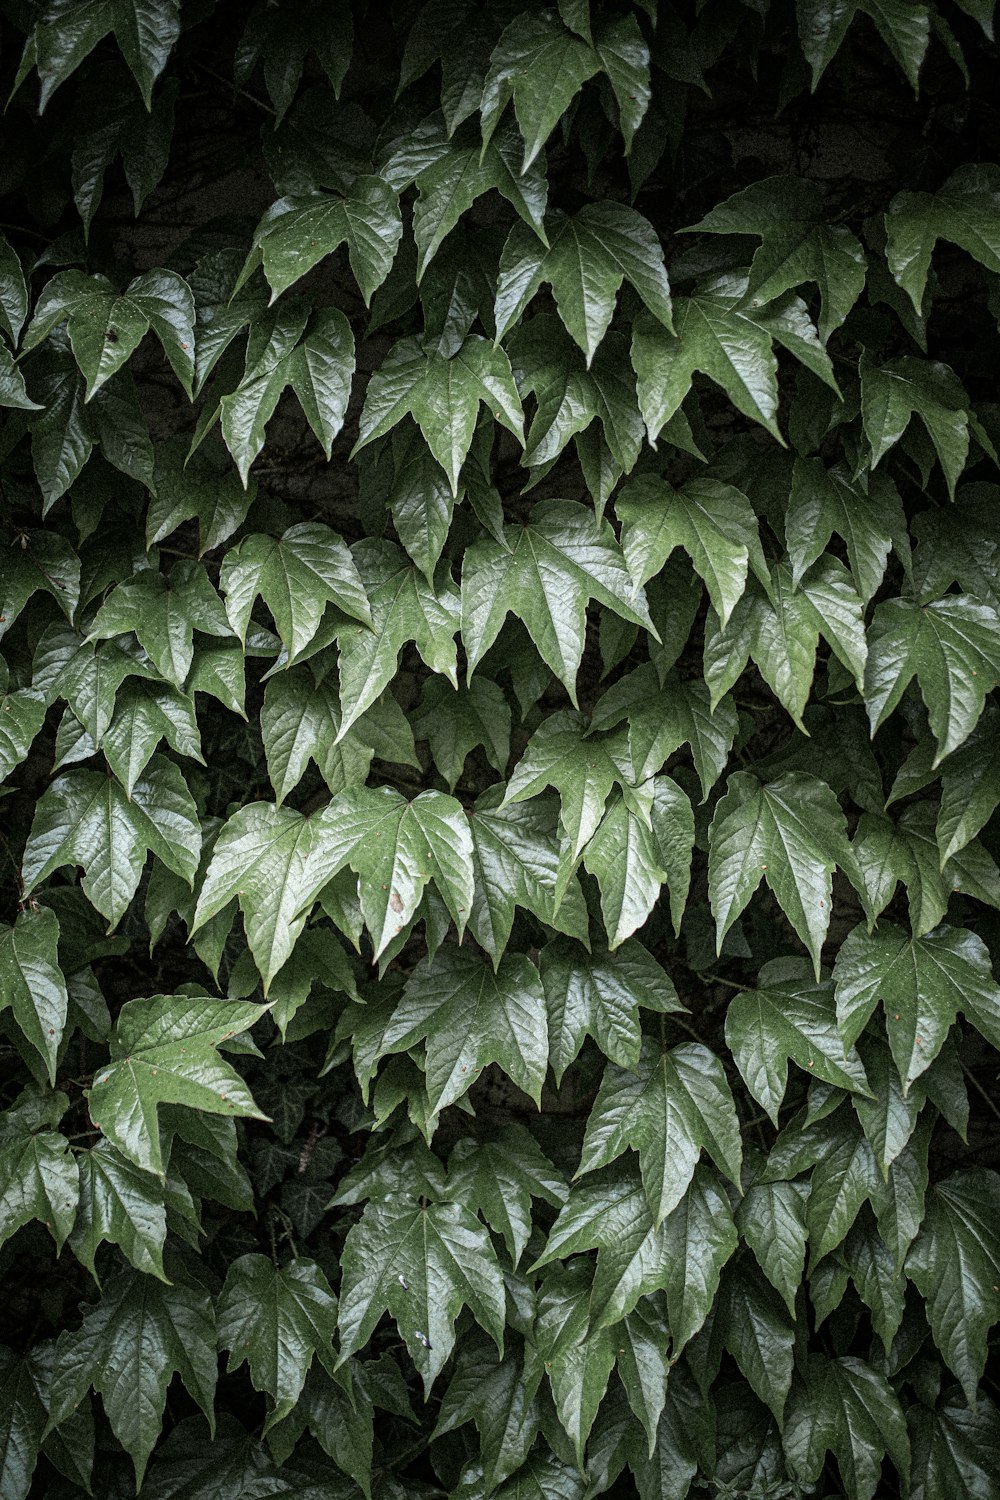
{"x":500,"y":598}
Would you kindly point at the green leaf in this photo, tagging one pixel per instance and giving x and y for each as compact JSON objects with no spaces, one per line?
{"x":954,"y":1263}
{"x":456,"y":721}
{"x":588,"y":257}
{"x":145,"y":30}
{"x":922,"y":984}
{"x":443,"y":395}
{"x":541,"y":66}
{"x":546,"y":573}
{"x":661,"y":718}
{"x":952,"y":647}
{"x":645,"y":840}
{"x":797,"y":245}
{"x":582,"y":771}
{"x":120,"y":1204}
{"x":105,"y":328}
{"x":492,"y":1393}
{"x":38,"y":1180}
{"x":963,"y":211}
{"x":576,"y":1358}
{"x":599,"y":995}
{"x":699,"y":1237}
{"x":953,"y":1448}
{"x":500,"y":1178}
{"x":164,"y":613}
{"x":85,"y":818}
{"x":845,"y":1407}
{"x":894,"y":392}
{"x":788,"y":1017}
{"x":517,"y":860}
{"x":790,"y":832}
{"x":21,"y":1425}
{"x":32,"y":983}
{"x":404,"y":607}
{"x":396,"y":847}
{"x":674,"y":1106}
{"x":297,"y":577}
{"x":754,"y":1327}
{"x":276,"y":1319}
{"x":422,"y":1265}
{"x":130,"y":1345}
{"x":713,"y":522}
{"x":771,"y":1217}
{"x":297,"y":233}
{"x":14,"y":304}
{"x":902,"y":25}
{"x":22,"y":714}
{"x":470,"y":1016}
{"x":163,"y":1051}
{"x":823,"y":501}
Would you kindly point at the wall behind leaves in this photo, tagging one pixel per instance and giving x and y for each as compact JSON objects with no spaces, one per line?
{"x":500,"y":598}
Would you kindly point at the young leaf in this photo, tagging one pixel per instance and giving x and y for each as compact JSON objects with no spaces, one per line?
{"x":163,"y":1051}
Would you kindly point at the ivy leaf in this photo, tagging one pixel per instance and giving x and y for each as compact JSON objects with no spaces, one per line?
{"x":790,"y":832}
{"x":699,"y":1237}
{"x":421,"y":1265}
{"x":797,"y":245}
{"x":297,"y":233}
{"x":788,"y":1017}
{"x":645,"y":840}
{"x":771,"y":1217}
{"x":443,"y":395}
{"x":276,"y":1319}
{"x":22,"y":1424}
{"x":677,"y":1104}
{"x":955,"y":1263}
{"x":754,"y":1327}
{"x":22,"y":714}
{"x":84,"y":818}
{"x":823,"y":501}
{"x":546,"y":573}
{"x":14,"y":302}
{"x":469,"y":1016}
{"x":404,"y":607}
{"x":297,"y":576}
{"x":120,"y":1204}
{"x":499,"y":1179}
{"x":39,"y":1179}
{"x":894,"y":392}
{"x":559,"y":755}
{"x":588,"y":256}
{"x":164,"y":613}
{"x":163,"y":1051}
{"x":32,"y":983}
{"x":517,"y":860}
{"x":395,"y":847}
{"x":951,"y":646}
{"x":146,"y":713}
{"x":922,"y":983}
{"x":130,"y":1345}
{"x":661,"y":718}
{"x":455,"y":721}
{"x":963,"y":211}
{"x":145,"y":30}
{"x":719,"y":333}
{"x":599,"y":995}
{"x":576,"y":1358}
{"x":106,"y":328}
{"x":492,"y":1393}
{"x":541,"y":66}
{"x":953,"y":1447}
{"x":713,"y":522}
{"x":845,"y":1407}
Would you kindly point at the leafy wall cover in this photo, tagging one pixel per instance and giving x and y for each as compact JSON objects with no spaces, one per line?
{"x":500,"y":597}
